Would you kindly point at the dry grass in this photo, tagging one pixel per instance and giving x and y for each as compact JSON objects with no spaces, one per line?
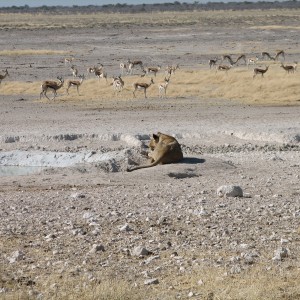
{"x":276,"y":27}
{"x":255,"y":283}
{"x":276,"y":88}
{"x":31,"y":52}
{"x":204,"y":18}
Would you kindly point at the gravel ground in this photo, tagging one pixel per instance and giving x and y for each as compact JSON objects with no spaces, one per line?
{"x":90,"y":216}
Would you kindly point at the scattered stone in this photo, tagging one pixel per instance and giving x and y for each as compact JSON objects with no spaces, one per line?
{"x":78,"y":196}
{"x":151,"y":281}
{"x":200,"y":282}
{"x":96,"y":248}
{"x":140,"y":251}
{"x":125,"y":228}
{"x":236,"y":269}
{"x":50,"y":237}
{"x":16,"y":256}
{"x":3,"y":290}
{"x":190,"y":294}
{"x":284,"y":241}
{"x":150,"y":259}
{"x":248,"y":258}
{"x":230,"y":191}
{"x":87,"y":215}
{"x":281,"y":253}
{"x":162,"y":220}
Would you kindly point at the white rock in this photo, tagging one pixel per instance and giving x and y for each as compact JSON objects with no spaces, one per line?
{"x":87,"y":215}
{"x":78,"y":196}
{"x":190,"y":294}
{"x":236,"y":269}
{"x":126,"y":227}
{"x":151,"y":281}
{"x":148,"y":260}
{"x":230,"y":191}
{"x":281,"y":253}
{"x":16,"y":256}
{"x":140,"y":251}
{"x":200,"y":282}
{"x":284,"y":241}
{"x":96,"y":248}
{"x":50,"y":237}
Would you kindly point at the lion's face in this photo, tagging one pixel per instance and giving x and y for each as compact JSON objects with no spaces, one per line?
{"x":153,"y":142}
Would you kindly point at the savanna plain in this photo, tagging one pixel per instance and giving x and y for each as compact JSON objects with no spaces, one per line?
{"x":74,"y":224}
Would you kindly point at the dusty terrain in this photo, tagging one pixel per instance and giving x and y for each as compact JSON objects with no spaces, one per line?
{"x":74,"y":227}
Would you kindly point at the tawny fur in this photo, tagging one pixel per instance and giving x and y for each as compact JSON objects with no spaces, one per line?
{"x":165,"y":150}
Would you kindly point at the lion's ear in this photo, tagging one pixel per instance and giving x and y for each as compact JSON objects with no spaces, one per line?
{"x":156,"y":137}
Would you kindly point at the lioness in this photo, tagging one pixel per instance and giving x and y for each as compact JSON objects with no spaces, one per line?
{"x":165,"y":150}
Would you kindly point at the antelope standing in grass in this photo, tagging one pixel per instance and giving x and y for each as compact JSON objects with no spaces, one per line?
{"x":51,"y":85}
{"x":289,"y":68}
{"x":260,"y":71}
{"x":142,"y":86}
{"x":171,"y":70}
{"x":75,"y":83}
{"x":224,"y":68}
{"x":118,"y":84}
{"x":133,"y":64}
{"x":252,"y":61}
{"x":153,"y":70}
{"x":123,"y":66}
{"x":3,"y":76}
{"x":100,"y":73}
{"x":90,"y":70}
{"x":74,"y":71}
{"x":162,"y":88}
{"x":212,"y":62}
{"x":278,"y":53}
{"x":68,"y":60}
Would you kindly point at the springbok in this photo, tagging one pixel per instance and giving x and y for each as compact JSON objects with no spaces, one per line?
{"x":212,"y":62}
{"x":142,"y":86}
{"x":223,"y":68}
{"x":162,"y":88}
{"x":132,"y":64}
{"x":252,"y":61}
{"x":74,"y":71}
{"x":75,"y":83}
{"x":153,"y":70}
{"x":100,"y":73}
{"x":171,"y":70}
{"x":51,"y":85}
{"x":289,"y":68}
{"x":3,"y":76}
{"x":278,"y":53}
{"x":260,"y":71}
{"x":118,"y":83}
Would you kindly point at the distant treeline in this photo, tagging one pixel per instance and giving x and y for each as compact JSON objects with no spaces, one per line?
{"x":168,"y":6}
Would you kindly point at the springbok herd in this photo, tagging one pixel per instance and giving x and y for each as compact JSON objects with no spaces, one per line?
{"x":224,"y":63}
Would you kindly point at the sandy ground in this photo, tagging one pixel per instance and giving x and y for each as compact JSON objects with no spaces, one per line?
{"x":56,"y":216}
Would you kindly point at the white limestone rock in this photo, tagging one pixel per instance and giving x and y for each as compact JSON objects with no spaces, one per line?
{"x":230,"y":191}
